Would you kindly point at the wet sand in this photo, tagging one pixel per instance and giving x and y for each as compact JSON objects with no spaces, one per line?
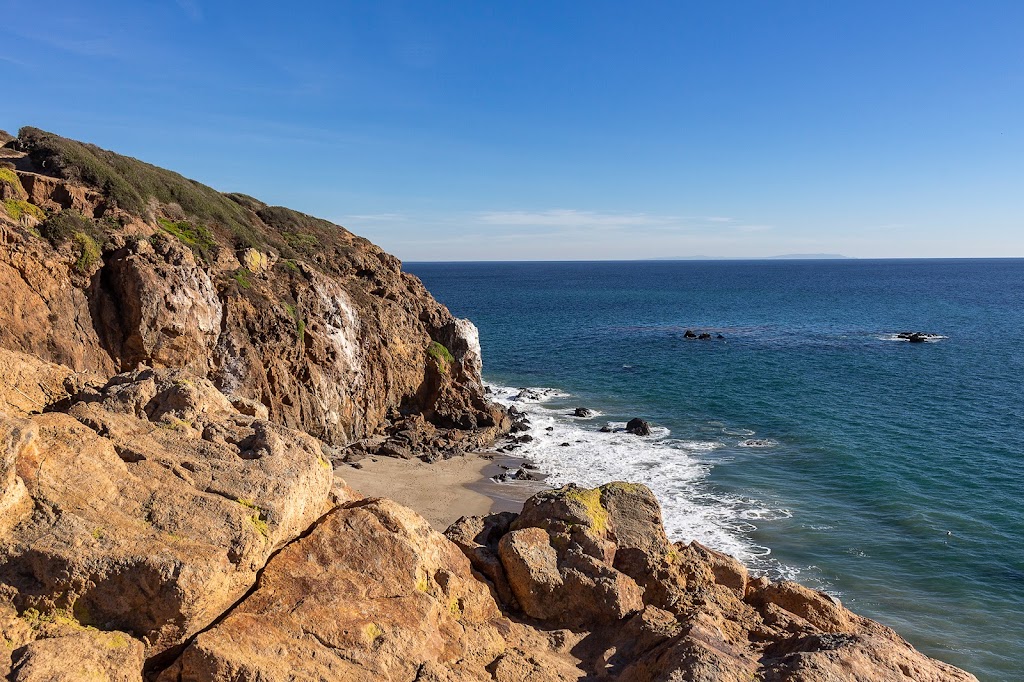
{"x":443,"y":491}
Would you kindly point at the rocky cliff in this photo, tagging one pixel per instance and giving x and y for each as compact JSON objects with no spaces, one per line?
{"x":179,"y":372}
{"x":110,"y":264}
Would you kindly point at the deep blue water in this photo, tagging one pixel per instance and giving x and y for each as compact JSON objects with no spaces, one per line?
{"x":889,"y":473}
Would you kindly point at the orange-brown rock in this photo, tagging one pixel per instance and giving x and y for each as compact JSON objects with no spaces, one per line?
{"x":372,"y":593}
{"x":320,"y":326}
{"x":54,"y":194}
{"x":86,"y":655}
{"x":155,"y":306}
{"x":698,"y":616}
{"x":150,"y":505}
{"x":46,"y":311}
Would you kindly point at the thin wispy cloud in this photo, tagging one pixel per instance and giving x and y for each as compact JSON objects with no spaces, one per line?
{"x":66,"y":36}
{"x":12,"y":60}
{"x":574,"y":219}
{"x":568,"y":218}
{"x":376,"y":218}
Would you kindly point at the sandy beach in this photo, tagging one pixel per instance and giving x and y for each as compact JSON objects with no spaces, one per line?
{"x":444,"y":491}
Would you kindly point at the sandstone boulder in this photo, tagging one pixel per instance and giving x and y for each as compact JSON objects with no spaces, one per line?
{"x":477,"y":537}
{"x":372,"y":593}
{"x":87,"y":655}
{"x":150,"y":505}
{"x":599,"y":560}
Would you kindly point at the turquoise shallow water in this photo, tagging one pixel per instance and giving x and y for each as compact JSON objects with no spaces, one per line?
{"x":808,"y":441}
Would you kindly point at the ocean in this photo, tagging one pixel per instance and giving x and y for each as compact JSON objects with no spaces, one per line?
{"x":810,"y":440}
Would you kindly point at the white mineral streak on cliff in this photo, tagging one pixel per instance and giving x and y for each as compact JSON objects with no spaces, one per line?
{"x":465,"y":346}
{"x":342,"y":324}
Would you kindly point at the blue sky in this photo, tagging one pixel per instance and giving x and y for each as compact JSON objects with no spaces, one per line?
{"x":560,"y":130}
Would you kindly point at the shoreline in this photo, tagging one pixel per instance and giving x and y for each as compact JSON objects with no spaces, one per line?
{"x":444,"y":491}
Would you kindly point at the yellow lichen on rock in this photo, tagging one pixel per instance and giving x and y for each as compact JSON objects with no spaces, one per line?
{"x":590,"y":499}
{"x":10,"y":185}
{"x":255,"y":261}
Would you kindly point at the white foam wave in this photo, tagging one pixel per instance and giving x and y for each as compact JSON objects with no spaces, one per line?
{"x":572,"y":450}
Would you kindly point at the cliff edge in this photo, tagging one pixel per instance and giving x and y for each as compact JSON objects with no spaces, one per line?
{"x":110,"y":264}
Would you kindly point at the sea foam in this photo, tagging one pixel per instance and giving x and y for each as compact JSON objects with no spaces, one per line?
{"x":571,"y":449}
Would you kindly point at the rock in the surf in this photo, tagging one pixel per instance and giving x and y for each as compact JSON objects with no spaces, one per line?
{"x":638,"y":427}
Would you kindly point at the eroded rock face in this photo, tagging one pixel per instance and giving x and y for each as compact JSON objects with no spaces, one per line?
{"x":334,"y":340}
{"x":46,"y":310}
{"x":373,"y":593}
{"x":158,"y":307}
{"x":150,"y":505}
{"x":54,"y":194}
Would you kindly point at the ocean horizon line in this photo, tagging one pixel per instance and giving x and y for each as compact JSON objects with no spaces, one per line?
{"x":711,"y":259}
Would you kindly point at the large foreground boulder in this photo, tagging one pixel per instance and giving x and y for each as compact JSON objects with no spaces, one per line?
{"x":372,"y":593}
{"x":148,"y":505}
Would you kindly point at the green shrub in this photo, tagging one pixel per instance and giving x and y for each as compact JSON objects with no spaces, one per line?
{"x":301,"y":242}
{"x":196,"y":237}
{"x":442,"y":356}
{"x":63,"y":225}
{"x":19,"y":207}
{"x":10,"y":178}
{"x":89,"y":252}
{"x":300,"y":324}
{"x":243,"y":277}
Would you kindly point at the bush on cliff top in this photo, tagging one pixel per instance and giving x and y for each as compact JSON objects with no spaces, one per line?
{"x":237,"y":219}
{"x":130,"y":183}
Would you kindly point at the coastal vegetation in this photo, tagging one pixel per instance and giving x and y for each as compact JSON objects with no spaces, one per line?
{"x":11,"y":184}
{"x":207,"y":216}
{"x":441,"y":355}
{"x":16,"y":208}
